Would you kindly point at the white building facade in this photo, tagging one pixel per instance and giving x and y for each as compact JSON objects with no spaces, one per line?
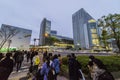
{"x":21,"y":41}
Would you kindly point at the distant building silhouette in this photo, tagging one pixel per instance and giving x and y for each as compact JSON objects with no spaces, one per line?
{"x":85,"y":32}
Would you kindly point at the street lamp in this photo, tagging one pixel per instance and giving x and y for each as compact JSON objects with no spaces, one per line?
{"x":34,"y":41}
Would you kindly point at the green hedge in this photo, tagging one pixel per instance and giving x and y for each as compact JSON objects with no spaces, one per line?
{"x":6,"y":49}
{"x":112,"y":63}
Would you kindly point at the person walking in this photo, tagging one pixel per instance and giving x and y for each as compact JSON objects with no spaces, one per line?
{"x":6,"y":66}
{"x":31,"y":57}
{"x":28,"y":55}
{"x":47,"y":70}
{"x":36,"y":62}
{"x":15,"y":56}
{"x":45,"y":54}
{"x":74,"y":66}
{"x":60,"y":60}
{"x":19,"y":60}
{"x":56,"y":63}
{"x":1,"y":56}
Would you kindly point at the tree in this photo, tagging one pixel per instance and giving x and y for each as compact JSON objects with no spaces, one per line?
{"x":67,"y":41}
{"x":104,"y":38}
{"x":111,"y":22}
{"x":6,"y":33}
{"x":51,"y":40}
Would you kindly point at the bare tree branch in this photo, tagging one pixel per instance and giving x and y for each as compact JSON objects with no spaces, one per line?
{"x":6,"y":33}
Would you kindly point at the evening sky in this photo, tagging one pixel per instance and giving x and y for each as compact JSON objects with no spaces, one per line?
{"x":29,"y":13}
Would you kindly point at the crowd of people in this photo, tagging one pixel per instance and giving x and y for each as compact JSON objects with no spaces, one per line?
{"x":49,"y":67}
{"x":50,"y":64}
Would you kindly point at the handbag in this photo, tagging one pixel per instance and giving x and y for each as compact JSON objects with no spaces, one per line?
{"x":83,"y":77}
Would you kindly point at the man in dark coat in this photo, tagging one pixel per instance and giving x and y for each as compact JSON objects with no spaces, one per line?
{"x":6,"y":67}
{"x":15,"y":56}
{"x":1,"y":56}
{"x":74,"y":67}
{"x":19,"y":60}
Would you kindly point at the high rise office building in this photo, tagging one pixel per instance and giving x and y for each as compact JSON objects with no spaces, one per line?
{"x":45,"y":30}
{"x":84,"y":30}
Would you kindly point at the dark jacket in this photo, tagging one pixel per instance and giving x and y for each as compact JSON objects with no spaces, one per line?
{"x":6,"y":67}
{"x":74,"y":67}
{"x":1,"y":56}
{"x":106,"y":76}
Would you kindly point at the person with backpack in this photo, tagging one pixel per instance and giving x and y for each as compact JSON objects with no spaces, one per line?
{"x":74,"y":67}
{"x":60,"y":59}
{"x":45,"y":54}
{"x":48,"y":70}
{"x":28,"y":55}
{"x":39,"y":76}
{"x":32,"y":54}
{"x":19,"y":60}
{"x":36,"y":62}
{"x":16,"y":53}
{"x":56,"y":65}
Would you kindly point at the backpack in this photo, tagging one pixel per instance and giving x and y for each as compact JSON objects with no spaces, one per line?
{"x":106,"y":76}
{"x":37,"y":60}
{"x":30,"y":69}
{"x":39,"y":76}
{"x":19,"y":58}
{"x":51,"y":73}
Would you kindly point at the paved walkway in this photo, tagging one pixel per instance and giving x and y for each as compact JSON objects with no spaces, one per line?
{"x":116,"y":75}
{"x":22,"y":76}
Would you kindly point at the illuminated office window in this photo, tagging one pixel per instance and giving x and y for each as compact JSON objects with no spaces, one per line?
{"x":94,"y":36}
{"x":95,"y":41}
{"x":93,"y":31}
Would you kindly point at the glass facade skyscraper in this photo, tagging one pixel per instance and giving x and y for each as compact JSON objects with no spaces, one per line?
{"x":93,"y":33}
{"x":45,"y":30}
{"x":84,"y":30}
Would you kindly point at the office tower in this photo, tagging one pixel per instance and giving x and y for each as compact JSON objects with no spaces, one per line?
{"x":45,"y":30}
{"x":84,"y":30}
{"x":20,"y":41}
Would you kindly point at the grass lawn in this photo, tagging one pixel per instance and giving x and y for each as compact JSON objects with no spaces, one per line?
{"x":112,"y":63}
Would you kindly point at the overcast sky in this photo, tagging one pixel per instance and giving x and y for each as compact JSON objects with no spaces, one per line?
{"x":29,"y":13}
